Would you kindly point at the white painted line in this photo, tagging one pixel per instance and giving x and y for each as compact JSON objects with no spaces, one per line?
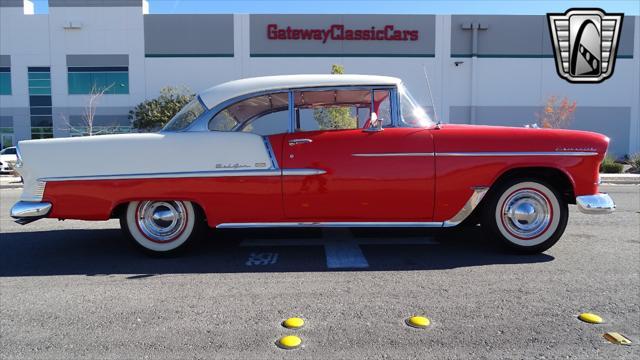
{"x":262,"y":259}
{"x":341,"y":250}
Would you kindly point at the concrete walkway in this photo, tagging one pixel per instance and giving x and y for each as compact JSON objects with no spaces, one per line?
{"x":10,"y":182}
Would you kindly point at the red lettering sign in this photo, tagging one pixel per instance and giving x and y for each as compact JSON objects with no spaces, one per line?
{"x":339,"y":32}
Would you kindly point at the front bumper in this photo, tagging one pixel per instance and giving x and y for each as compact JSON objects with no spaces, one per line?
{"x":27,"y":211}
{"x":595,"y":204}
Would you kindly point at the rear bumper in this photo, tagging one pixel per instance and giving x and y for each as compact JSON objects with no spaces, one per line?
{"x":595,"y":204}
{"x":30,"y":210}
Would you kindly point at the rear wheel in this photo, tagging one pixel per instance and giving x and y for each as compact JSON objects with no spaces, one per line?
{"x":161,"y":227}
{"x":526,"y":215}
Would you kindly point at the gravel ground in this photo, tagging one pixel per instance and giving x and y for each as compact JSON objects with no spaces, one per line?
{"x":76,"y":289}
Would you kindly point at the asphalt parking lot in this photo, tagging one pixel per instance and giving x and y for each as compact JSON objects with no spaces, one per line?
{"x":76,"y":289}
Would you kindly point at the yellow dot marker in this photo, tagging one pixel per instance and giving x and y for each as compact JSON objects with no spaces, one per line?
{"x":293,"y":323}
{"x":419,"y":322}
{"x":590,"y":318}
{"x":289,"y":342}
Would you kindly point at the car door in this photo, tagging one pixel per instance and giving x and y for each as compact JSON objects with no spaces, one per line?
{"x":385,"y":175}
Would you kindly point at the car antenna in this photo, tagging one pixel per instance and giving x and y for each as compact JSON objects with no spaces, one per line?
{"x":435,"y":113}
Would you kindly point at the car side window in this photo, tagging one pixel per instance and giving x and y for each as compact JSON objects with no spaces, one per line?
{"x":263,"y":115}
{"x":331,"y":109}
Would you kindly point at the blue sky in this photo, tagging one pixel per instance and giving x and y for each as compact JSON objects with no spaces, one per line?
{"x":524,"y":7}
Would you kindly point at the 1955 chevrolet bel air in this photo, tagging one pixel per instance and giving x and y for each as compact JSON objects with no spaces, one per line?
{"x":315,"y":151}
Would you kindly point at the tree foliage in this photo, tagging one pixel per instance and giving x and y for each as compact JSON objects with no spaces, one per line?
{"x":557,"y":115}
{"x":151,"y":115}
{"x":335,"y":117}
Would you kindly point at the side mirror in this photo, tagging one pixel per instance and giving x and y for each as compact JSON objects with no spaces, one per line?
{"x":374,"y":124}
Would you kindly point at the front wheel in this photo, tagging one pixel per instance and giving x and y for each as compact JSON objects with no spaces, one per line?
{"x":161,"y":227}
{"x":526,"y":215}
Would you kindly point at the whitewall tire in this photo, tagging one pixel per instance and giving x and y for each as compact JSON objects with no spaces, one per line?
{"x":161,"y":227}
{"x":527,"y":215}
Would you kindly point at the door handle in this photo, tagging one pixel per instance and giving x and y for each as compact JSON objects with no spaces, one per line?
{"x":293,"y":142}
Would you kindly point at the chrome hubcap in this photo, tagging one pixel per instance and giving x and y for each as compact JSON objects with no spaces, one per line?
{"x":161,"y":221}
{"x":526,"y":213}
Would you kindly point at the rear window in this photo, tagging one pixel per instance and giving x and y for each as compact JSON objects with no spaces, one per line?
{"x":186,"y":116}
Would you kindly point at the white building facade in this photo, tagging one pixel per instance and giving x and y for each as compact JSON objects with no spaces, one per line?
{"x":50,"y":62}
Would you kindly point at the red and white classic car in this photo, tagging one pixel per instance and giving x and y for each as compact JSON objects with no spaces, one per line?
{"x":315,"y":151}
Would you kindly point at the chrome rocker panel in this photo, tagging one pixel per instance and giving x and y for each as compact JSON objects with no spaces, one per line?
{"x":595,"y":204}
{"x":28,"y":211}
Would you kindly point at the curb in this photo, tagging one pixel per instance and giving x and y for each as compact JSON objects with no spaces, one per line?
{"x":11,"y":186}
{"x":620,"y":179}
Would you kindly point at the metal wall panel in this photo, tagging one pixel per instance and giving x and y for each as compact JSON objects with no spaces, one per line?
{"x":191,"y":35}
{"x":98,"y":60}
{"x":517,"y":36}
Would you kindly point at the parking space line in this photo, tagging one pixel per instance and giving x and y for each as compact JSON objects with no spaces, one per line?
{"x":341,"y":250}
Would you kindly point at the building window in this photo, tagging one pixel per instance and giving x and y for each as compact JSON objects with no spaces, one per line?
{"x":6,"y":131}
{"x":79,"y":125}
{"x":5,"y":80}
{"x":88,"y":79}
{"x":40,"y":102}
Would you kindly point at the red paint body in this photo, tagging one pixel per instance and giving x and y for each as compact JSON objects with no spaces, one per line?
{"x":394,"y":188}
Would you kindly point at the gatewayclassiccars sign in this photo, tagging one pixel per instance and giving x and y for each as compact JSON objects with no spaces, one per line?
{"x":342,"y":35}
{"x":338,"y":32}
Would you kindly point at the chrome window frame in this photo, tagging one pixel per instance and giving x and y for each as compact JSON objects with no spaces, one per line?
{"x":201,"y":124}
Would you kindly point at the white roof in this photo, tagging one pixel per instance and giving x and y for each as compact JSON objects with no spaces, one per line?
{"x":229,"y":90}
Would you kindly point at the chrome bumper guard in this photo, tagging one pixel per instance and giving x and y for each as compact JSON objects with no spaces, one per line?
{"x":28,"y":211}
{"x":595,"y":204}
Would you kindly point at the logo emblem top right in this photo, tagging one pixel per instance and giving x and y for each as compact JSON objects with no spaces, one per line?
{"x":585,"y":42}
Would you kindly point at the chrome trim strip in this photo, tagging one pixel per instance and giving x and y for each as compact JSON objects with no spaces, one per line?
{"x":469,"y":206}
{"x":595,"y":204}
{"x":392,"y":154}
{"x":272,"y":156}
{"x":29,"y":209}
{"x":302,"y":172}
{"x":520,"y":153}
{"x":193,"y":174}
{"x":38,"y":191}
{"x":326,"y":224}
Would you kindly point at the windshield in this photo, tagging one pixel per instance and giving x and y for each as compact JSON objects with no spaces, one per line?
{"x":412,"y":114}
{"x":8,"y":151}
{"x":185,"y":117}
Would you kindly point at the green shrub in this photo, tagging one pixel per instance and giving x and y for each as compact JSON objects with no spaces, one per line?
{"x":609,"y":166}
{"x":635,"y":162}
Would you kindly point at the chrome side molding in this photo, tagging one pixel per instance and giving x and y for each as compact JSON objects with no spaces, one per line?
{"x":595,"y":204}
{"x":193,"y":174}
{"x":520,"y":153}
{"x":427,"y":154}
{"x":326,"y":224}
{"x":469,"y":206}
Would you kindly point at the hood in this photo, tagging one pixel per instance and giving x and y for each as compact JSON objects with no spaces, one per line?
{"x":475,"y":138}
